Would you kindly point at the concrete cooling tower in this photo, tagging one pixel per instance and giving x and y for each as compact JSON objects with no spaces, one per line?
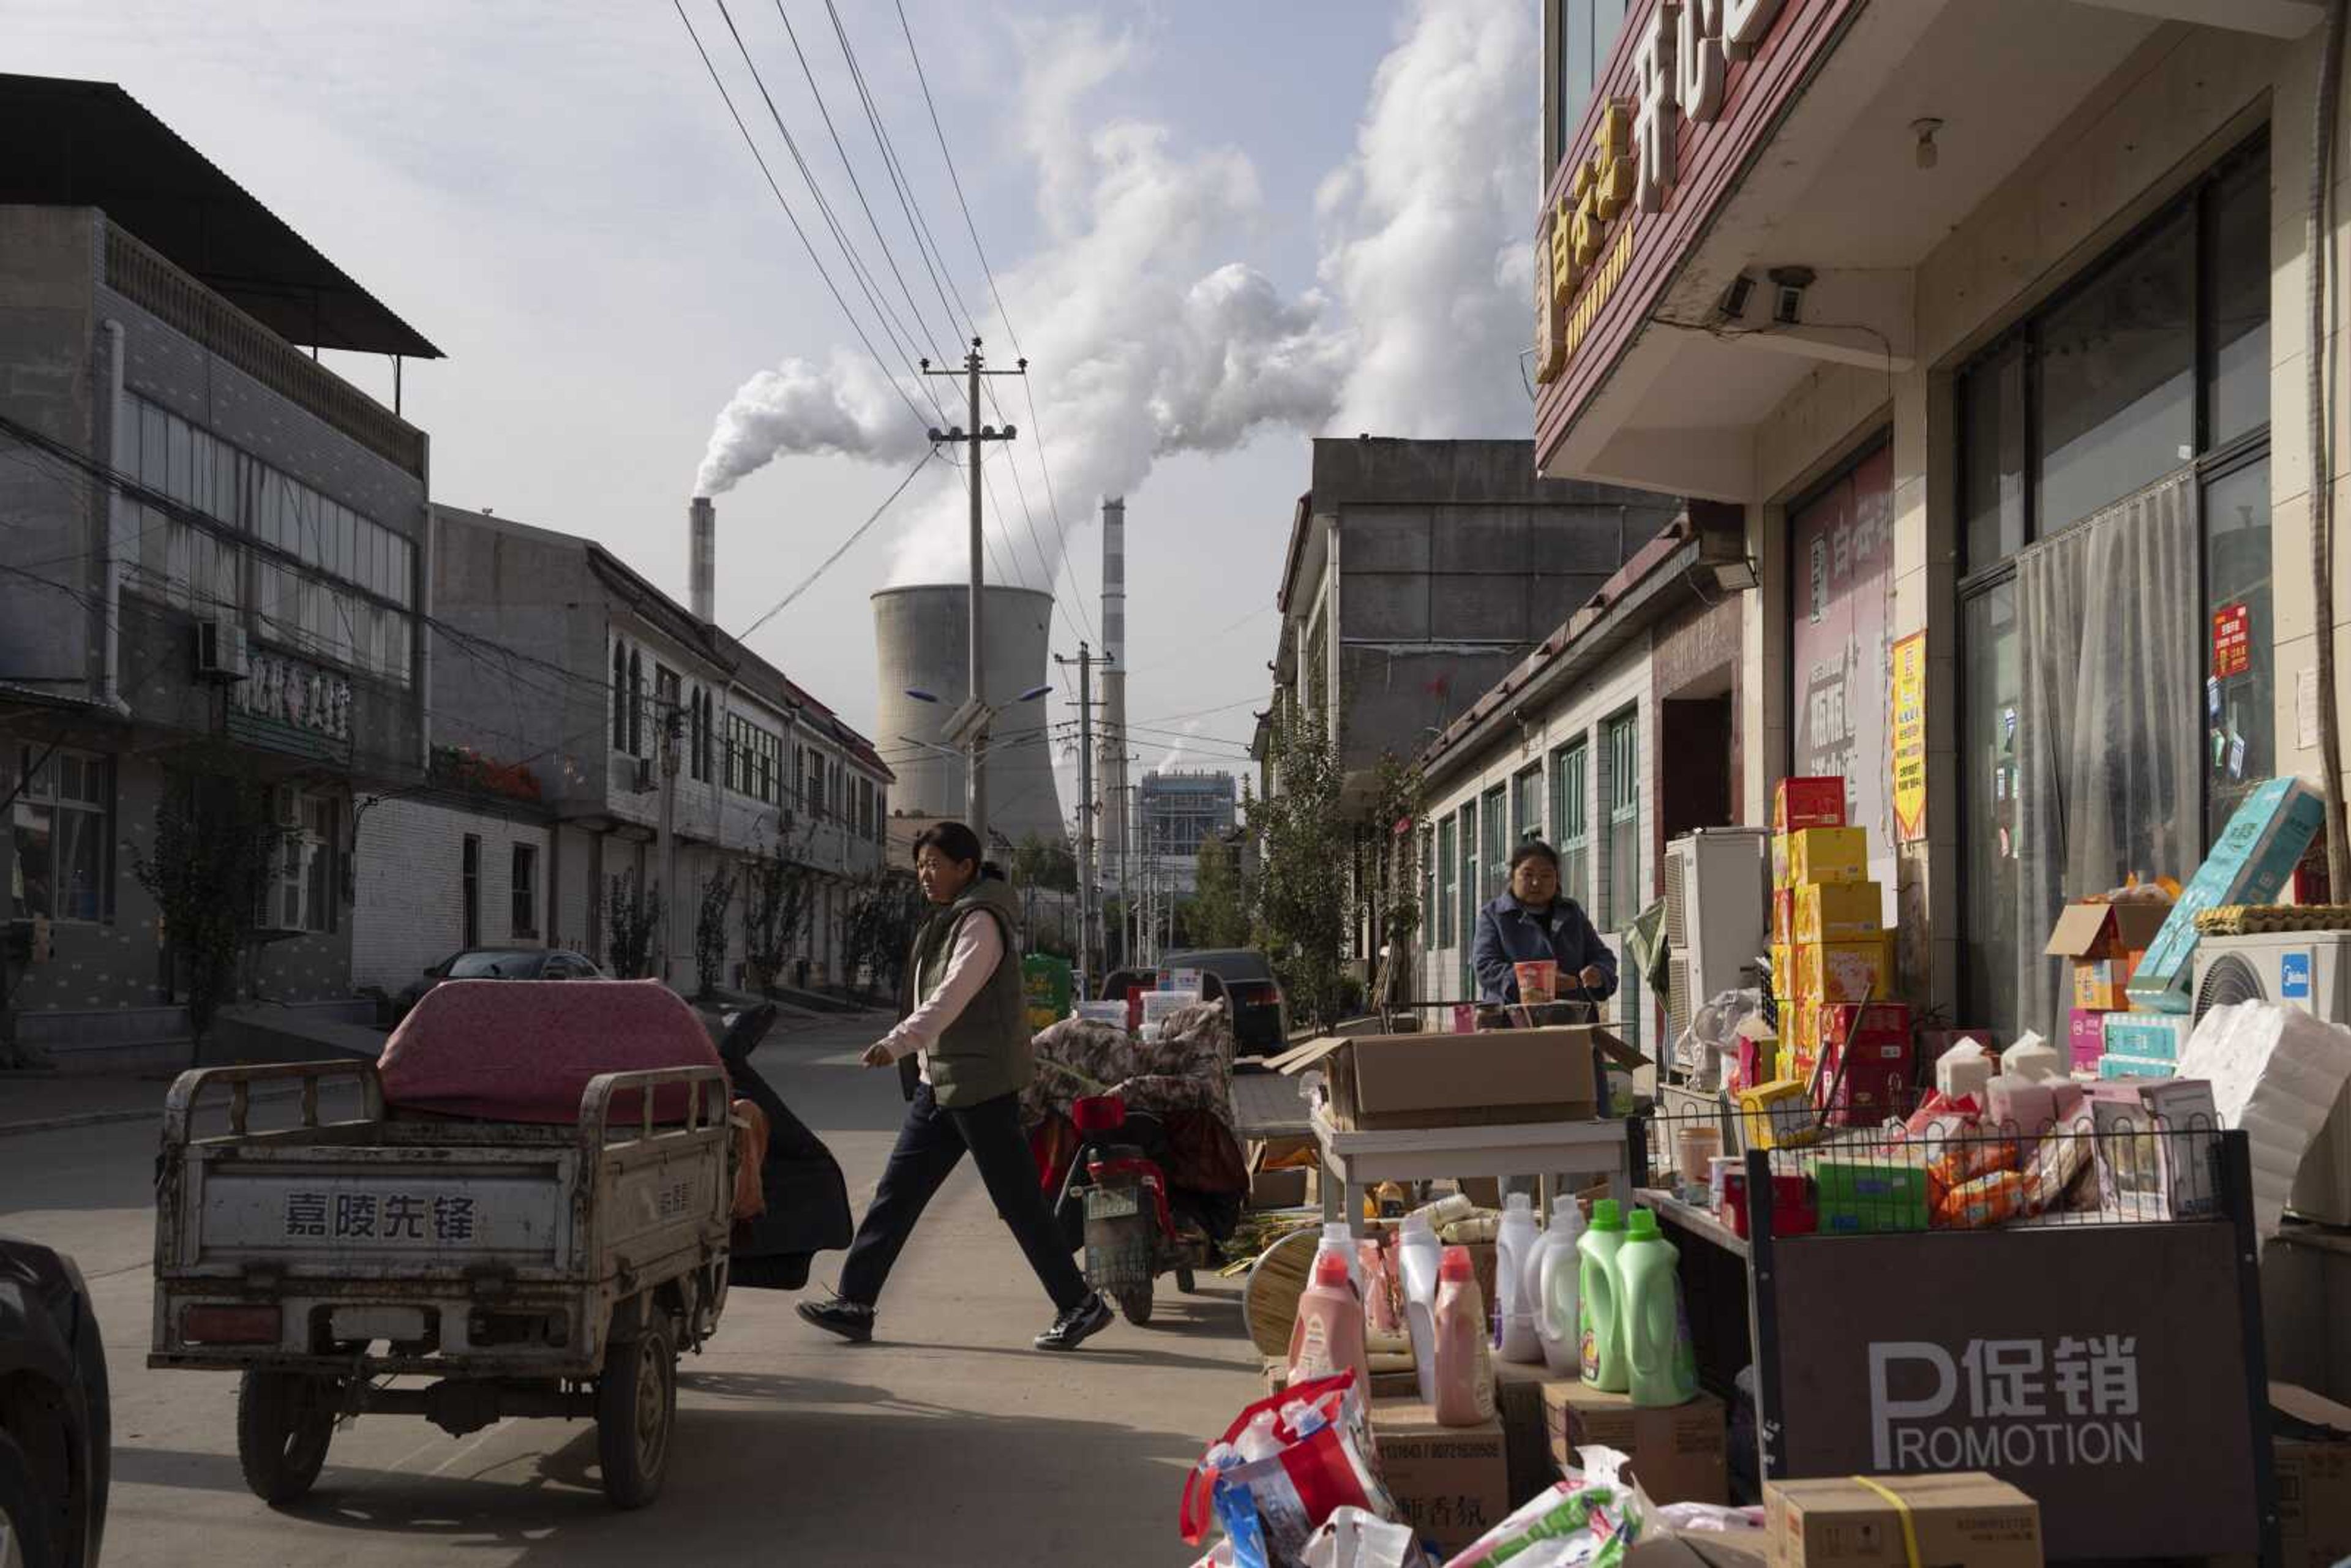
{"x":920,"y":643}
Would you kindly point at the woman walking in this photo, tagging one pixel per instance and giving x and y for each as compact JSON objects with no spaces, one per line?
{"x":968,"y":1034}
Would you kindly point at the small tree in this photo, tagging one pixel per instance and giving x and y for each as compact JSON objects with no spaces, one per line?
{"x":1301,"y":904}
{"x":636,"y":915}
{"x":1392,"y":898}
{"x":885,"y":909}
{"x":1217,"y":916}
{"x":710,"y":930}
{"x":216,"y":842}
{"x":779,"y":887}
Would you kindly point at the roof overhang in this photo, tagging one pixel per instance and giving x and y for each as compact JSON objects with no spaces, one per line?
{"x":92,"y":144}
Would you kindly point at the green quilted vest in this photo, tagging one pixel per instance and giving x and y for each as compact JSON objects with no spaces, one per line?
{"x":985,"y":1052}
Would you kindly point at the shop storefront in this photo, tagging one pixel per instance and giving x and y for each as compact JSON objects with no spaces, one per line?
{"x":1994,"y":391}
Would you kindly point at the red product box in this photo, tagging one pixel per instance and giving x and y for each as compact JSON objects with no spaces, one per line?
{"x":1881,"y":1069}
{"x":1794,"y":1210}
{"x":1800,"y":803}
{"x":1872,"y":1022}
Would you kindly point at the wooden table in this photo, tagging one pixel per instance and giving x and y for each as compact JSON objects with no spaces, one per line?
{"x":1545,"y":1150}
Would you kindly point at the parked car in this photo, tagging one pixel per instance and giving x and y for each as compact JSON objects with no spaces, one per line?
{"x":55,"y":1423}
{"x":503,"y":964}
{"x":1240,"y":975}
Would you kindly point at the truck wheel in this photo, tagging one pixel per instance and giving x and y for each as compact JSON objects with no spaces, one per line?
{"x":1183,"y":1279}
{"x":1134,"y":1303}
{"x":24,"y":1511}
{"x":636,"y":1404}
{"x":284,"y":1422}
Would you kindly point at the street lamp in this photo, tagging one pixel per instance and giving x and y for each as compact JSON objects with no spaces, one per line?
{"x":967,"y":729}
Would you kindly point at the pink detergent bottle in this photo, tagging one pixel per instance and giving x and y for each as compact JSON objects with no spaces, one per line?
{"x":1379,"y":1291}
{"x":1328,"y":1337}
{"x":1465,"y":1350}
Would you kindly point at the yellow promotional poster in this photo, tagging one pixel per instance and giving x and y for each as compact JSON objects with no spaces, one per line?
{"x":1909,"y":733}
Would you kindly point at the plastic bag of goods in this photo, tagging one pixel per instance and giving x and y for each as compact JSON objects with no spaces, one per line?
{"x":1590,"y":1518}
{"x":1350,"y":1537}
{"x":1292,"y":1459}
{"x":1158,"y":1007}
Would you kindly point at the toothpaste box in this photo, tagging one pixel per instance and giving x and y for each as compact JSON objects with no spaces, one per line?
{"x":2249,"y":864}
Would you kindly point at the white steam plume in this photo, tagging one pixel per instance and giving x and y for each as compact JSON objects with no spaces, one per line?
{"x":1146,"y":341}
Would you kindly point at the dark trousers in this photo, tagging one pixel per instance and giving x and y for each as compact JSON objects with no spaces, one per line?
{"x":930,"y":1143}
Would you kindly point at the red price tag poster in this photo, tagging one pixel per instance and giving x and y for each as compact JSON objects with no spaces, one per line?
{"x":2232,"y":641}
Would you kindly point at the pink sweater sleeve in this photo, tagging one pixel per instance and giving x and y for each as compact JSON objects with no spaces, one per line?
{"x":978,"y":949}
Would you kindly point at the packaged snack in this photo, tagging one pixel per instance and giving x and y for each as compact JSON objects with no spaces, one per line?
{"x":1986,"y":1201}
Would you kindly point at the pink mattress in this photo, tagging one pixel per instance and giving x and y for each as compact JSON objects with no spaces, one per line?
{"x":523,"y":1051}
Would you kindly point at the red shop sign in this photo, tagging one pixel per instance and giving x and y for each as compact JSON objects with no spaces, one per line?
{"x":2232,"y":641}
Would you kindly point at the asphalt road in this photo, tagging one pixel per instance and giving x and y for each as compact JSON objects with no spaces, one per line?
{"x":948,"y":1441}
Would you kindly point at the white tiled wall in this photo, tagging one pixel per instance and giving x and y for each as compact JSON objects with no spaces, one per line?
{"x":410,"y":909}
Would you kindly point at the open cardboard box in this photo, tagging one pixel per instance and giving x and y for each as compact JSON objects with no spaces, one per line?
{"x":1494,"y":1077}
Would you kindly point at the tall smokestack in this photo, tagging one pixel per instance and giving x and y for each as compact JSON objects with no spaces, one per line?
{"x":1109,"y":770}
{"x":702,"y":559}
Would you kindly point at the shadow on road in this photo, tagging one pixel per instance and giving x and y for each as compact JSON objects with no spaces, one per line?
{"x":780,"y":1468}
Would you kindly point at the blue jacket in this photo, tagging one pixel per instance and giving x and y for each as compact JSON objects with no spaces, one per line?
{"x":1508,"y":933}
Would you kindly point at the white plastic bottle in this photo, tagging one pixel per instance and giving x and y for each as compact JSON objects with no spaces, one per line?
{"x":1339,"y":1240}
{"x":1513,"y":1286}
{"x":1558,"y":1323}
{"x":1418,"y":1255}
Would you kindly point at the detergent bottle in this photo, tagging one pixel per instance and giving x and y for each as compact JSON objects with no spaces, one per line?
{"x":1339,"y":1239}
{"x":1328,"y":1336}
{"x":1379,"y":1297}
{"x":1514,"y":1245}
{"x":1662,"y":1361}
{"x":1557,"y":1326}
{"x":1464,"y":1355}
{"x":1599,"y":1300}
{"x":1417,"y":1255}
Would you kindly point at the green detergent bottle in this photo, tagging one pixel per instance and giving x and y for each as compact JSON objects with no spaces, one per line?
{"x":1661,"y":1360}
{"x":1600,"y":1299}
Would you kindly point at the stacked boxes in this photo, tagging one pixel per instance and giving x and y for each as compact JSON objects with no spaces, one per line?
{"x":2103,"y":942}
{"x":1830,"y":950}
{"x":1866,"y":1060}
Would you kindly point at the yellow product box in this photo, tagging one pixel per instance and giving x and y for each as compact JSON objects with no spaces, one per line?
{"x":1821,"y":854}
{"x":1800,"y":1030}
{"x":1776,"y":1114}
{"x":1844,"y":971}
{"x":1783,"y":972}
{"x":1784,"y":916}
{"x":1838,"y":912}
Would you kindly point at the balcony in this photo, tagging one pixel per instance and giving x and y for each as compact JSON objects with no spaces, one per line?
{"x":142,"y":276}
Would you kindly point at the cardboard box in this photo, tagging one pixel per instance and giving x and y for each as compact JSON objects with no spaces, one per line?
{"x":1817,"y":855}
{"x":2155,"y":1037}
{"x":1844,"y":971}
{"x":2255,"y":854}
{"x":2085,"y":1036}
{"x":1452,"y":1484}
{"x":1279,"y":1189}
{"x":1870,"y":1087}
{"x":1840,"y":912}
{"x":1526,"y":1435}
{"x":1405,"y":1386}
{"x":2313,"y":1476}
{"x":1783,"y":917}
{"x":1800,"y":1030}
{"x":1873,"y":1023}
{"x":1783,"y":970}
{"x":1813,"y":802}
{"x":2101,"y":984}
{"x":1968,"y":1518}
{"x":2155,"y":1141}
{"x":1679,"y":1454}
{"x":1864,"y":1197}
{"x":1380,"y":1082}
{"x":2114,"y":1068}
{"x":2095,"y":929}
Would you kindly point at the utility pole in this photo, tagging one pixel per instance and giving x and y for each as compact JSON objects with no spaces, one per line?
{"x":975,"y":738}
{"x":666,"y":855}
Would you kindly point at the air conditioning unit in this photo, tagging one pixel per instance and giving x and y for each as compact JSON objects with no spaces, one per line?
{"x":220,"y":649}
{"x":1717,"y":903}
{"x":640,"y":777}
{"x":2310,"y":970}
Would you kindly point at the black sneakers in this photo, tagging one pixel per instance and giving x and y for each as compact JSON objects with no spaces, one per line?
{"x":850,"y":1321}
{"x":1076,"y":1325}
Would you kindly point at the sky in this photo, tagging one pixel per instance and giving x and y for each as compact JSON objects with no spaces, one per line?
{"x":1215,"y":229}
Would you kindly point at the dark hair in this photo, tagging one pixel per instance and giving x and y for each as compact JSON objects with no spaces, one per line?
{"x":958,"y":843}
{"x":1533,"y":849}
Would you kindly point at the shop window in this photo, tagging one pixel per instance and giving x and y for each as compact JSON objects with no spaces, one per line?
{"x":525,"y":879}
{"x":2237,"y":394}
{"x":1526,"y":804}
{"x":1583,"y":35}
{"x":1844,"y":591}
{"x":1624,"y":787}
{"x":61,"y":821}
{"x":2241,"y":693}
{"x":1571,"y":823}
{"x":303,"y":889}
{"x":1991,"y":413}
{"x":1497,"y":845}
{"x":669,"y":713}
{"x":1991,"y":688}
{"x":469,"y":879}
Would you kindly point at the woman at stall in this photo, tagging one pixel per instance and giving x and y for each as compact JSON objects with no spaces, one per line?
{"x":1533,"y":921}
{"x":967,"y":1034}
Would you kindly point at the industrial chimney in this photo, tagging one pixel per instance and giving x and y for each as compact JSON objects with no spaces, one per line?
{"x":1110,"y":770}
{"x":702,"y":559}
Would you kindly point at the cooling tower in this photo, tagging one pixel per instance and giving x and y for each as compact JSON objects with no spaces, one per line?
{"x":919,"y":638}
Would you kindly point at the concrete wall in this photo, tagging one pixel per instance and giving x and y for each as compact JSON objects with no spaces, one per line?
{"x":409,"y":879}
{"x":48,"y":380}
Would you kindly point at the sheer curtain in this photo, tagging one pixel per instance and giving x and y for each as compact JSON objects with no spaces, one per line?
{"x":2108,"y":721}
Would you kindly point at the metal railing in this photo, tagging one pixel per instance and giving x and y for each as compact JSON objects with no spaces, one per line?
{"x":146,"y":277}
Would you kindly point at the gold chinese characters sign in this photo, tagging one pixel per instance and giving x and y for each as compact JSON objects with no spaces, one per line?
{"x":1680,"y":70}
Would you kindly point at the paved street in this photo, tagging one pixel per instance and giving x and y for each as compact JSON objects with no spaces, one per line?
{"x":952,"y":1442}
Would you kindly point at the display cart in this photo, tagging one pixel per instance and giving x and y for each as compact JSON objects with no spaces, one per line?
{"x":1354,"y":1161}
{"x":2108,"y":1360}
